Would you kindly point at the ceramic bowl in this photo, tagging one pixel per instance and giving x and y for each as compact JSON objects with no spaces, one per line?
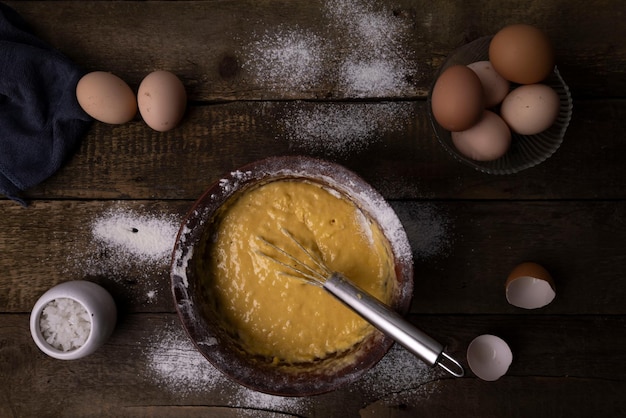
{"x":526,"y":150}
{"x":201,"y":321}
{"x":99,"y":305}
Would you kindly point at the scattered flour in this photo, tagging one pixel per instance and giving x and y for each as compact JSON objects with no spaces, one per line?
{"x":369,"y":43}
{"x":398,"y":371}
{"x":378,"y":64}
{"x":430,"y":229}
{"x":176,"y":366}
{"x":340,"y":129}
{"x":147,"y":238}
{"x":367,"y":57}
{"x":286,"y":58}
{"x":125,"y":242}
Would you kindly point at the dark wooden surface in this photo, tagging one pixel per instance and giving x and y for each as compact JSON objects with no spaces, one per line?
{"x":467,"y":229}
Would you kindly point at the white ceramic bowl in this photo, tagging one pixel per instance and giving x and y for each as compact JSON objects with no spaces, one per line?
{"x":99,"y":305}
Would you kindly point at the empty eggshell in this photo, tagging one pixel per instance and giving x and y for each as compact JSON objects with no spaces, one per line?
{"x":494,"y":85}
{"x":106,"y":97}
{"x":530,"y":286}
{"x":489,"y":357}
{"x":162,"y":100}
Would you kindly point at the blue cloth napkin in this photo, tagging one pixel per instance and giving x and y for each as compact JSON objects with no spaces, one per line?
{"x":41,"y":122}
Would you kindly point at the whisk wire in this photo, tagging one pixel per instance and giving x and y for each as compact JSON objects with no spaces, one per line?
{"x":304,"y":271}
{"x":308,"y":253}
{"x":370,"y":308}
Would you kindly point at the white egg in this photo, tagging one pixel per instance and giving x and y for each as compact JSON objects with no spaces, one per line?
{"x":530,"y":109}
{"x":494,"y":85}
{"x":487,"y":140}
{"x":489,"y":357}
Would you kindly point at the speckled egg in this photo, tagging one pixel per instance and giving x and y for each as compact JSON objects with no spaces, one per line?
{"x":162,"y":100}
{"x":106,"y":97}
{"x":530,"y":109}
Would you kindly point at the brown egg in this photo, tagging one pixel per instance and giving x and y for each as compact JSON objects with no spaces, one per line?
{"x":457,"y":98}
{"x":162,"y":100}
{"x":522,"y":54}
{"x":106,"y":97}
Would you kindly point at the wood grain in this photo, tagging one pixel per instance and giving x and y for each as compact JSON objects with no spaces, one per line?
{"x":463,"y":252}
{"x":404,"y":161}
{"x":467,"y":229}
{"x":555,"y":364}
{"x":193,"y":39}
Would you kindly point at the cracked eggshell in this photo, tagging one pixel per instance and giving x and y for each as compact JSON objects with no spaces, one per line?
{"x":530,"y":286}
{"x":489,"y":357}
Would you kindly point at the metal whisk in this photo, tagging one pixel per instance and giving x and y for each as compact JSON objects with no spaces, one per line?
{"x":370,"y":308}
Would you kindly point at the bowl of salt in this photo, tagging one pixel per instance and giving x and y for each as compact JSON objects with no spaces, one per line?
{"x":73,"y":319}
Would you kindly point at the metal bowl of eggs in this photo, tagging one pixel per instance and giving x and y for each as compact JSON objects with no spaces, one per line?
{"x":497,"y":108}
{"x":259,"y":325}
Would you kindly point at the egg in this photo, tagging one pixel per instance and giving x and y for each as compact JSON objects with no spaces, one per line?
{"x":522,"y":54}
{"x":487,"y":140}
{"x":457,"y":98}
{"x":495,"y":87}
{"x":162,"y":100}
{"x":530,"y":109}
{"x":489,"y":357}
{"x":530,"y":286}
{"x":106,"y":97}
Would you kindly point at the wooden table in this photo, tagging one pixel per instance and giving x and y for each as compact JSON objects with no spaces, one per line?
{"x":467,"y":229}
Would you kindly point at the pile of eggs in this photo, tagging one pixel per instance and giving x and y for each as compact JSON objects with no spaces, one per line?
{"x":478,"y":105}
{"x":161,"y":99}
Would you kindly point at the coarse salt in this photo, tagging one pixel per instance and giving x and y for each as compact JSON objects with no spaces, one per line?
{"x":65,"y":324}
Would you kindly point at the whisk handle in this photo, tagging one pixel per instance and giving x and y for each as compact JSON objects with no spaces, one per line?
{"x":385,"y":319}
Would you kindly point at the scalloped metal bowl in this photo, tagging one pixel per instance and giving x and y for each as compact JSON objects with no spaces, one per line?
{"x":201,"y":321}
{"x":526,"y":150}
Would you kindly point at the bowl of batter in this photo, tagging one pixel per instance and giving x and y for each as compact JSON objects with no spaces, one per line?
{"x":266,"y":329}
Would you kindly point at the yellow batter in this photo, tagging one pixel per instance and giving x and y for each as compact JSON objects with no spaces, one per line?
{"x":274,"y":315}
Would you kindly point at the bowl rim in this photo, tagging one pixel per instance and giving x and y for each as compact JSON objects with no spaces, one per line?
{"x":490,"y":167}
{"x":238,"y":367}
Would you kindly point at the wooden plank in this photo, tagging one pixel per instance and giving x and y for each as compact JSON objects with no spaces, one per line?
{"x":52,"y":242}
{"x":205,"y":42}
{"x":391,"y":145}
{"x":148,"y":368}
{"x":463,"y":252}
